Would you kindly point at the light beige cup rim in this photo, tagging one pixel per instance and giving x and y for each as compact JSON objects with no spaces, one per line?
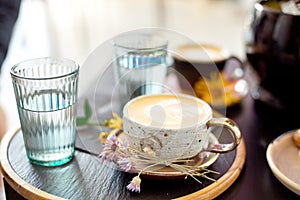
{"x":181,"y":57}
{"x":46,"y":59}
{"x":208,"y":109}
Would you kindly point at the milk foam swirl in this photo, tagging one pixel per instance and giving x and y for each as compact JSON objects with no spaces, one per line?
{"x":167,"y":111}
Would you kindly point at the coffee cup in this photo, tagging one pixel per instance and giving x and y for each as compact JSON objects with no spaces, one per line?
{"x":174,"y":126}
{"x":201,"y":61}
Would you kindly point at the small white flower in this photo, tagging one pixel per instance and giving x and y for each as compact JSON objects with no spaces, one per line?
{"x":149,"y":151}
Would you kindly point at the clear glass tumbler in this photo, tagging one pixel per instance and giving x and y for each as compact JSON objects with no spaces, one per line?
{"x":140,"y":65}
{"x":46,"y":96}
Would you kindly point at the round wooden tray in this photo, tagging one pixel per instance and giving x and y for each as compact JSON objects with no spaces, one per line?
{"x":13,"y":179}
{"x":225,"y":181}
{"x":29,"y":191}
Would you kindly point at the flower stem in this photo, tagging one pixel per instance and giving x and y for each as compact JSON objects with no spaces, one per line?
{"x":95,"y":123}
{"x":149,"y":166}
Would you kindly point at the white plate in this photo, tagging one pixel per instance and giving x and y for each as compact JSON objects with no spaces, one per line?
{"x":284,"y":160}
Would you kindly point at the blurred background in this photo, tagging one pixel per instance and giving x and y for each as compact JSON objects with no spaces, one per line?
{"x":74,"y":28}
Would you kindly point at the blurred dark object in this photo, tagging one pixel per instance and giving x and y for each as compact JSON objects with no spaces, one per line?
{"x":273,"y":50}
{"x":211,"y":73}
{"x":201,"y":60}
{"x":9,"y":10}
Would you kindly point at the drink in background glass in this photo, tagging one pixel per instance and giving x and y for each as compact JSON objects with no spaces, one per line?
{"x":140,"y":65}
{"x":46,"y":96}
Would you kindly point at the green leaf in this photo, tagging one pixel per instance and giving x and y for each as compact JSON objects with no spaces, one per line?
{"x":87,"y":109}
{"x":81,"y":121}
{"x":87,"y":114}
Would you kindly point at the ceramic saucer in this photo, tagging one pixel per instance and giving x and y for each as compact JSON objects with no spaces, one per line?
{"x":284,"y":160}
{"x":204,"y":159}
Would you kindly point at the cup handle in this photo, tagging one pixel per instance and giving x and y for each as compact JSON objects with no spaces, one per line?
{"x":233,"y":68}
{"x":232,"y":128}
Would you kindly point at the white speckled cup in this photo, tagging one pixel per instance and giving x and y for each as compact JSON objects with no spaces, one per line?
{"x":174,"y":126}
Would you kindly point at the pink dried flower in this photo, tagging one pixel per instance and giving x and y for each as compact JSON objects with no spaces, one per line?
{"x":135,"y":184}
{"x":125,"y":163}
{"x":110,"y":148}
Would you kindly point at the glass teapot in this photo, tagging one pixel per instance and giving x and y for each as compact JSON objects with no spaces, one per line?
{"x":272,"y":45}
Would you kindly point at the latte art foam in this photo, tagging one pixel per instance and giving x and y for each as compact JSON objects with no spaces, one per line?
{"x":168,"y":111}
